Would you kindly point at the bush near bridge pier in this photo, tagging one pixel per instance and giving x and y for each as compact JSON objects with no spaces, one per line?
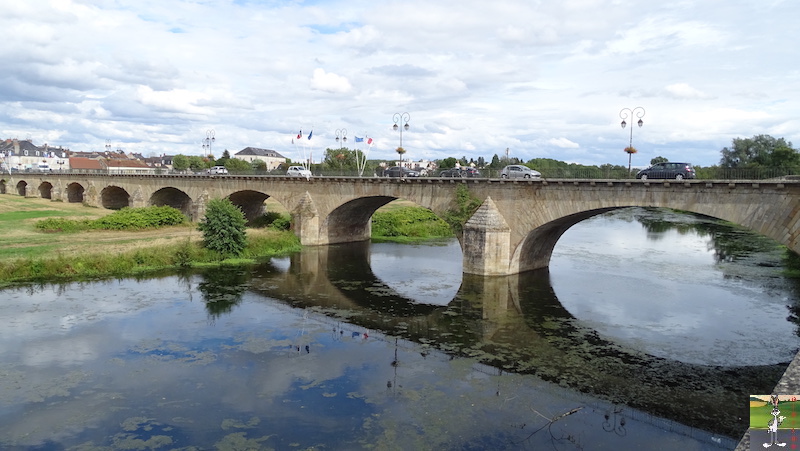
{"x":224,"y":228}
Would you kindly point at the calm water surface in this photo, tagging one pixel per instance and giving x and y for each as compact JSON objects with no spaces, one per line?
{"x":649,"y":331}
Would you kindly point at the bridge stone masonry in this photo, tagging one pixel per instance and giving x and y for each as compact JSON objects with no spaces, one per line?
{"x":515,"y":229}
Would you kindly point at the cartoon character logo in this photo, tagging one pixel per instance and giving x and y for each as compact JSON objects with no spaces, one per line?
{"x":772,"y":425}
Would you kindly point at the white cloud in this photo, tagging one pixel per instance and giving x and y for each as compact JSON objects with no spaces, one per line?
{"x":684,"y":91}
{"x":563,"y":143}
{"x":329,"y":82}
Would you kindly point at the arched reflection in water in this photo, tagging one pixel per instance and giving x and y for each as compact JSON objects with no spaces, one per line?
{"x":689,"y":288}
{"x":516,"y":323}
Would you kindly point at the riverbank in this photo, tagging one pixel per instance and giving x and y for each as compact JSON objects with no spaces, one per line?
{"x":30,"y":255}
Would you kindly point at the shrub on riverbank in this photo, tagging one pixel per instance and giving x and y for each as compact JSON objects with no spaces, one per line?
{"x":124,"y":219}
{"x":410,"y":224}
{"x":466,"y":206}
{"x":223,"y":228}
{"x":272,"y":219}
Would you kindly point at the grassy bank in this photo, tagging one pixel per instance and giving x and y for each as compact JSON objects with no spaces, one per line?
{"x":29,"y":254}
{"x":46,"y":241}
{"x":404,"y":222}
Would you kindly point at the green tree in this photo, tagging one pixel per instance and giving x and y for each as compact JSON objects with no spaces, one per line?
{"x":198,"y":163}
{"x":658,"y":159}
{"x":495,"y":164}
{"x":224,"y":228}
{"x":237,"y":165}
{"x":259,"y":165}
{"x":180,"y":162}
{"x":447,"y":163}
{"x":223,"y":159}
{"x":341,"y":159}
{"x":759,"y":151}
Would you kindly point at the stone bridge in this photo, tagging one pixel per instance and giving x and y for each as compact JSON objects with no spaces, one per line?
{"x":514,"y":230}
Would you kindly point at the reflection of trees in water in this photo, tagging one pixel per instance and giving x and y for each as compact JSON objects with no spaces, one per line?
{"x":729,"y":243}
{"x":222,"y":288}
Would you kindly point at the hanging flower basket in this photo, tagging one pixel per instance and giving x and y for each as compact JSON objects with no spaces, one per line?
{"x":401,"y":151}
{"x":630,"y":150}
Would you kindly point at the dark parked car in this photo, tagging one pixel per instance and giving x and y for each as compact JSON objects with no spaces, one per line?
{"x":452,"y":172}
{"x":677,"y":171}
{"x":397,"y":171}
{"x":460,"y":172}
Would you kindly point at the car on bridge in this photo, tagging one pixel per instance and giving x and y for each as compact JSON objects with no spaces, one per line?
{"x":217,"y":170}
{"x":518,"y":171}
{"x":669,"y":170}
{"x":460,"y":172}
{"x":298,"y":171}
{"x":397,"y":171}
{"x":452,"y":172}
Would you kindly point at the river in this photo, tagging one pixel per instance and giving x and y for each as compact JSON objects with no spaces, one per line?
{"x":649,"y":331}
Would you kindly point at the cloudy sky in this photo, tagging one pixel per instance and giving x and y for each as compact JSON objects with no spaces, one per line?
{"x":544,"y":79}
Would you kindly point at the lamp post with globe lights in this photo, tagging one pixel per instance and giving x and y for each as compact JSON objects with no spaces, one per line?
{"x":341,"y":137}
{"x":626,"y":113}
{"x":210,"y":138}
{"x":401,"y":118}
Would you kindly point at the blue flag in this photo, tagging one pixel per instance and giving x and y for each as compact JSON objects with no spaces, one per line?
{"x":359,"y":140}
{"x":309,"y":134}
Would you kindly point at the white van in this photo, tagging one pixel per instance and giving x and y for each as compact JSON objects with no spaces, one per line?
{"x":217,"y":170}
{"x":298,"y":171}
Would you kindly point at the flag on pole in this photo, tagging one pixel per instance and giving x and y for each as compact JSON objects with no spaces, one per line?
{"x":369,"y":141}
{"x":300,"y":135}
{"x":359,"y":140}
{"x":309,"y":134}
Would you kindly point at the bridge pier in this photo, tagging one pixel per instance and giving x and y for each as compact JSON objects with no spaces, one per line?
{"x":305,"y":222}
{"x":487,"y":242}
{"x":199,"y":207}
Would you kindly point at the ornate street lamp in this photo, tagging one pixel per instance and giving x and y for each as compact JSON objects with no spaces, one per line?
{"x":626,"y":113}
{"x":210,"y":138}
{"x":341,"y":134}
{"x":400,"y":118}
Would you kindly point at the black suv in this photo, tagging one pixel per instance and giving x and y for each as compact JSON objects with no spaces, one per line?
{"x":677,"y":171}
{"x":397,"y":171}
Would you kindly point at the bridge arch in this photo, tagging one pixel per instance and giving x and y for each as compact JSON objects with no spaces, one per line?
{"x":75,"y":192}
{"x":251,"y":203}
{"x":46,"y":190}
{"x":773,"y":213}
{"x":350,"y":221}
{"x":3,"y":186}
{"x":114,"y":198}
{"x":536,"y":248}
{"x":174,"y":198}
{"x":22,"y":188}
